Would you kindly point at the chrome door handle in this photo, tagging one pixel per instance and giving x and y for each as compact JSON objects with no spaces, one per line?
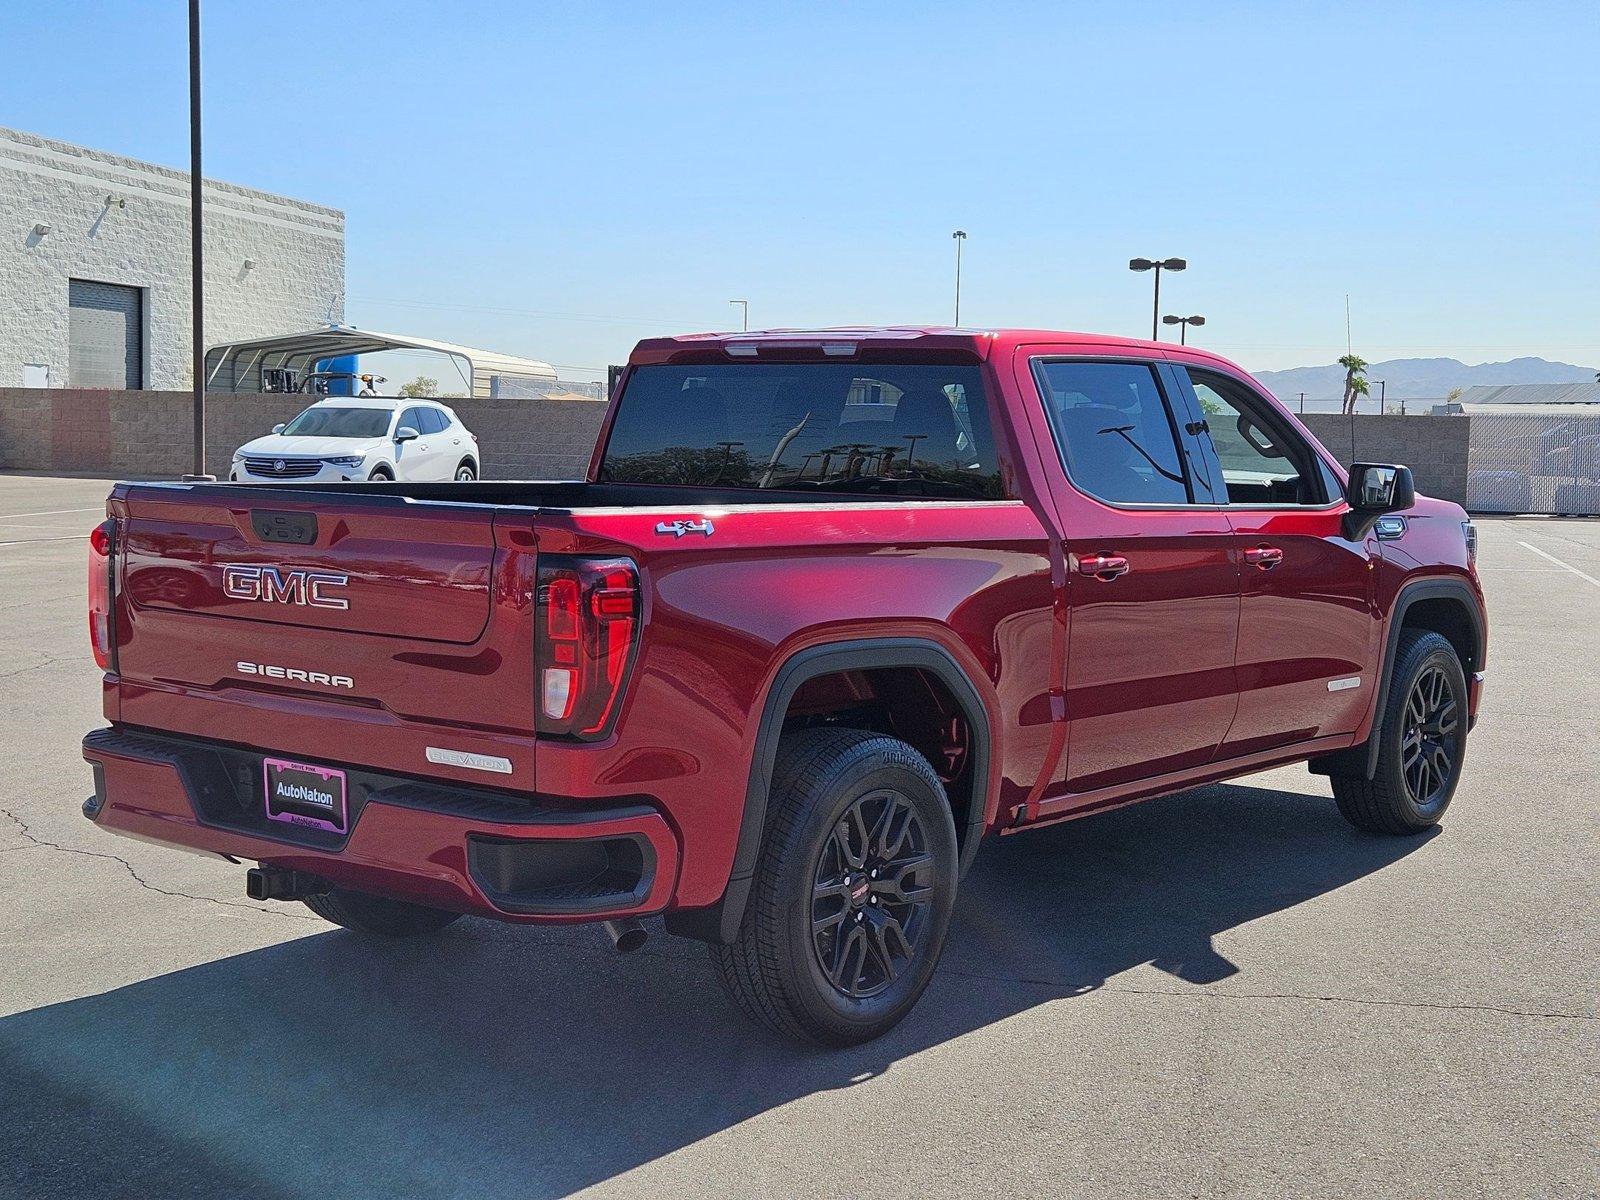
{"x":1104,"y":567}
{"x":1263,"y":558}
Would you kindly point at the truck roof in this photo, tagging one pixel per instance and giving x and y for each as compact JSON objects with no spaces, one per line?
{"x":980,"y":343}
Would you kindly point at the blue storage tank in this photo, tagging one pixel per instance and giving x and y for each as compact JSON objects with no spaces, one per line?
{"x":341,"y":387}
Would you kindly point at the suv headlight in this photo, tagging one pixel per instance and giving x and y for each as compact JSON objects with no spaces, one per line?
{"x":346,"y":460}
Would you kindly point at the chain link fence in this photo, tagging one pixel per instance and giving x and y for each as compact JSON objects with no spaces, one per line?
{"x":1534,"y":463}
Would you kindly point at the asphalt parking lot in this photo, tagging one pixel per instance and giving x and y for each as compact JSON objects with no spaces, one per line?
{"x":1227,"y":992}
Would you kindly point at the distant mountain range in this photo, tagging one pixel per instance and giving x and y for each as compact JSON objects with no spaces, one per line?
{"x":1420,"y":378}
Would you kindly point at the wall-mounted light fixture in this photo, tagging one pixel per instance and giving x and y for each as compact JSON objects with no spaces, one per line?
{"x":249,"y":264}
{"x":41,"y":230}
{"x":116,"y":202}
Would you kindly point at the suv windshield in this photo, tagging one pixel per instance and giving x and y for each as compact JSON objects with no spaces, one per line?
{"x":339,"y":422}
{"x":895,"y":428}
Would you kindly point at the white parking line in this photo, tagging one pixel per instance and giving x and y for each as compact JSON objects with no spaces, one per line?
{"x":1559,"y":563}
{"x":54,"y":512}
{"x":76,"y":537}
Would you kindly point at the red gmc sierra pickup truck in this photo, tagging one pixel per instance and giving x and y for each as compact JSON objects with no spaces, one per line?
{"x":829,"y":608}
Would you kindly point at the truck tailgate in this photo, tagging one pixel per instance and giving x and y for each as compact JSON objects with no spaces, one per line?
{"x":312,"y":623}
{"x":266,"y":561}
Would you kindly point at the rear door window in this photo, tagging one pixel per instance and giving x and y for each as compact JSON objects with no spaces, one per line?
{"x":1114,"y":429}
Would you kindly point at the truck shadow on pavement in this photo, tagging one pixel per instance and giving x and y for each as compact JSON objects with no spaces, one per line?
{"x":493,"y":1061}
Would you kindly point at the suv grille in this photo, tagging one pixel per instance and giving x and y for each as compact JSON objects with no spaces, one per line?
{"x":283,"y":468}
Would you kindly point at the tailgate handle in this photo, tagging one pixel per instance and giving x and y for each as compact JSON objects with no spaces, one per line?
{"x":295,"y":528}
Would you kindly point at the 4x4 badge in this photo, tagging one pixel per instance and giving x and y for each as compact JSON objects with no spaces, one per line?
{"x":679,"y":528}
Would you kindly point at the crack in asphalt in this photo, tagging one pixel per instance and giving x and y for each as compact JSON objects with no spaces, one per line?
{"x":44,"y":843}
{"x":1310,"y":998}
{"x":38,"y":666}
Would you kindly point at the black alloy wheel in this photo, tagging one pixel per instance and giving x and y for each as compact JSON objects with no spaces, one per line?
{"x":1421,"y":739}
{"x":1428,"y":742}
{"x":871,"y":895}
{"x":853,"y":889}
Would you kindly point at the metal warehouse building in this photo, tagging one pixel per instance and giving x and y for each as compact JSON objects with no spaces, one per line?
{"x":94,"y":267}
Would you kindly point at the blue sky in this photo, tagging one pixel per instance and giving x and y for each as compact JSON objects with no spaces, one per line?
{"x":560,"y":180}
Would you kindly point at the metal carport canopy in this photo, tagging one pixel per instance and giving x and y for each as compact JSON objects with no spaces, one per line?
{"x":236,"y":366}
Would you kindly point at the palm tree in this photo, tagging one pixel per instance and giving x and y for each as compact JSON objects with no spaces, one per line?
{"x":1358,"y":388}
{"x":1354,"y":382}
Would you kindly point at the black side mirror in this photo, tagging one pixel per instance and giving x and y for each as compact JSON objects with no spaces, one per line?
{"x":1377,"y":488}
{"x":405,"y":434}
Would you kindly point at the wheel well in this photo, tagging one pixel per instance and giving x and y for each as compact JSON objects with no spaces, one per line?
{"x":1449,"y":617}
{"x":468,"y":460}
{"x":909,"y":703}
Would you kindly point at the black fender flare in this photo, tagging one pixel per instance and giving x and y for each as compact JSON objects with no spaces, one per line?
{"x":720,"y":922}
{"x":1361,"y":760}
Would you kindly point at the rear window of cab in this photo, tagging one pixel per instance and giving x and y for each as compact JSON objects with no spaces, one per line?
{"x":914,"y":429}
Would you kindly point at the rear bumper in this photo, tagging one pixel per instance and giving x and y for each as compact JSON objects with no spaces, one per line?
{"x":470,"y":850}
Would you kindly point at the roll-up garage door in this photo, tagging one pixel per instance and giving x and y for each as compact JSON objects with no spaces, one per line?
{"x":106,"y":334}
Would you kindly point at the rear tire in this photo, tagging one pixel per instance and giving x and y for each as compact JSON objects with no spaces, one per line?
{"x":852,"y":893}
{"x":1422,"y":740}
{"x":466,"y":473}
{"x":366,"y":913}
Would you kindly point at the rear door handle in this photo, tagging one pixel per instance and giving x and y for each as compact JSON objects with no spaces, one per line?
{"x":1104,"y":567}
{"x":1263,"y":557}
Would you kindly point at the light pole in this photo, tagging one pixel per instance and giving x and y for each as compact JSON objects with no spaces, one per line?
{"x":196,"y":281}
{"x":1183,"y":323}
{"x":1157,"y":265}
{"x":1383,"y":392}
{"x":960,"y":236}
{"x":745,"y":304}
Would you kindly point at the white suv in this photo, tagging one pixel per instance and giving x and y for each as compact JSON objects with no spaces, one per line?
{"x":360,"y":438}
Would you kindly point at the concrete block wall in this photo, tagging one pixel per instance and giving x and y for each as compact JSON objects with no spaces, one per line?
{"x":1435,"y":448}
{"x":297,"y":281}
{"x":533,"y":439}
{"x":143,"y":434}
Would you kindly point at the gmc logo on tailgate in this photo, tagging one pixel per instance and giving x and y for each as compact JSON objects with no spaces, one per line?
{"x":274,"y":585}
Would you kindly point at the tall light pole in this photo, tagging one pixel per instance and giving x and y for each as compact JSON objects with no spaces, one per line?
{"x":960,"y":236}
{"x":1383,"y":392}
{"x":1183,"y":323}
{"x":1157,"y":265}
{"x":196,"y":281}
{"x":745,"y":304}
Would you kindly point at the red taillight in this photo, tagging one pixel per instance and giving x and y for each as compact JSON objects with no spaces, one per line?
{"x":102,"y":633}
{"x":588,"y":624}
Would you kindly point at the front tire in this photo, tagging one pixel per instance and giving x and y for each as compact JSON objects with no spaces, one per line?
{"x":366,"y":913}
{"x":381,"y":475}
{"x":852,"y":893}
{"x":1422,"y":740}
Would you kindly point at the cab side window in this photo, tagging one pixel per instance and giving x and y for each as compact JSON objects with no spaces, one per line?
{"x":1115,"y":431}
{"x":1263,"y":461}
